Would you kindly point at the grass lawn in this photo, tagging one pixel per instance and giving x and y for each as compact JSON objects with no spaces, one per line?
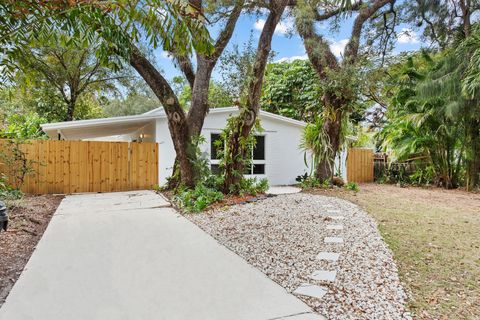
{"x":435,"y":237}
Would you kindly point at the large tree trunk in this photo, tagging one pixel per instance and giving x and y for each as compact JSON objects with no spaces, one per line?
{"x":199,"y":102}
{"x":465,"y":6}
{"x":177,"y":120}
{"x":236,"y":148}
{"x":325,"y":62}
{"x":198,"y":110}
{"x":199,"y":82}
{"x":70,"y":110}
{"x":71,"y":103}
{"x":473,"y":164}
{"x":332,"y":127}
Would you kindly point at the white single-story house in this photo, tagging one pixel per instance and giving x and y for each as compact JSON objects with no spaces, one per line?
{"x":277,"y":155}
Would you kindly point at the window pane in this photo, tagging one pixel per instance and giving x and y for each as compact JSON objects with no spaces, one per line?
{"x":213,"y":146}
{"x":258,"y":169}
{"x":215,"y":168}
{"x":259,"y":150}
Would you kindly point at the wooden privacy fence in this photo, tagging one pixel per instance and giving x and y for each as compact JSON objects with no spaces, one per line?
{"x":89,"y":166}
{"x":360,"y":165}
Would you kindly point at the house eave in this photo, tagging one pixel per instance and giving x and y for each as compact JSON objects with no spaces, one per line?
{"x":95,"y":122}
{"x":53,"y":128}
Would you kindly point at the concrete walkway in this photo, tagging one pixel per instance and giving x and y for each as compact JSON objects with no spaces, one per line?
{"x":129,"y":256}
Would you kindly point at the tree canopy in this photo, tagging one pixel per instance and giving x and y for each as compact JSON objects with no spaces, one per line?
{"x":292,"y":89}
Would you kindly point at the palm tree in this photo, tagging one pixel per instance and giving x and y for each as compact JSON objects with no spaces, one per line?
{"x":423,"y":117}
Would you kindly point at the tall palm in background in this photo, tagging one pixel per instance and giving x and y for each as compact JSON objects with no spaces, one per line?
{"x":431,"y":115}
{"x":471,"y":90}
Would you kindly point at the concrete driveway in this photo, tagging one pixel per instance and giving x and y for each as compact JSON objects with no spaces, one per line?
{"x":129,"y":255}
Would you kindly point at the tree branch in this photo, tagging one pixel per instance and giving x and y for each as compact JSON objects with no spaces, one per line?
{"x":351,"y":50}
{"x":158,"y":84}
{"x":205,"y":65}
{"x":186,"y":67}
{"x":432,"y":28}
{"x":328,"y":14}
{"x":317,"y":48}
{"x":261,"y":56}
{"x":227,"y":31}
{"x":225,"y":35}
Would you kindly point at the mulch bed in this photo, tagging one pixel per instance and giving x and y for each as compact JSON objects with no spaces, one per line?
{"x":227,"y":201}
{"x":29,"y":218}
{"x":231,"y":200}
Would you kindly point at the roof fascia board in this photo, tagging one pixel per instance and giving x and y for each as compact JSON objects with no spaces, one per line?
{"x":263,"y":113}
{"x":143,"y":117}
{"x":96,"y":122}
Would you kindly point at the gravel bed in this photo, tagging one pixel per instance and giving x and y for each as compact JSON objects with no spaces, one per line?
{"x":282,"y":236}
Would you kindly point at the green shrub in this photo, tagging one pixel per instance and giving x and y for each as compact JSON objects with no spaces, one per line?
{"x":23,"y":126}
{"x":352,"y":186}
{"x":11,"y":194}
{"x":196,"y":200}
{"x":7,"y":192}
{"x":252,"y":186}
{"x":262,"y":186}
{"x":302,"y":177}
{"x":206,"y":193}
{"x":313,"y":182}
{"x":403,"y":173}
{"x":3,"y":182}
{"x":423,"y":176}
{"x":310,"y":182}
{"x":214,"y":182}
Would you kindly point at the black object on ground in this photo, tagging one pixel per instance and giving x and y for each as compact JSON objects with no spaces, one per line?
{"x":3,"y":216}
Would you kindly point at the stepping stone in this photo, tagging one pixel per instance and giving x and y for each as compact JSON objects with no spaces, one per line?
{"x":334,"y":227}
{"x":324,"y":275}
{"x":336,"y":217}
{"x":331,"y":256}
{"x":310,"y":290}
{"x":333,"y":240}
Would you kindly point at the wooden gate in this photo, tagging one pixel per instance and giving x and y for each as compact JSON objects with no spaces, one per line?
{"x":360,"y":165}
{"x":89,"y":166}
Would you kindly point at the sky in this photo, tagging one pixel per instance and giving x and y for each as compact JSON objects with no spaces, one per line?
{"x":286,"y":44}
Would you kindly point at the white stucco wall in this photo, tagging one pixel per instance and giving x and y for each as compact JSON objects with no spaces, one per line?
{"x":166,"y":151}
{"x":341,"y":164}
{"x":284,"y":160}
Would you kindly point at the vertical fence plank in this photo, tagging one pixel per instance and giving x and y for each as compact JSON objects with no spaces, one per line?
{"x":75,"y":173}
{"x":141,"y":166}
{"x":125,"y":165}
{"x":133,"y":176}
{"x":103,"y":166}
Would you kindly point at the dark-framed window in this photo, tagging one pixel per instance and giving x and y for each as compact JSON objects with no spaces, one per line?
{"x":258,"y":163}
{"x":259,"y":150}
{"x":214,"y":137}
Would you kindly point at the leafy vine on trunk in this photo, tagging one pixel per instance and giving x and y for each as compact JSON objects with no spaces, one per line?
{"x":246,"y":120}
{"x":338,"y":93}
